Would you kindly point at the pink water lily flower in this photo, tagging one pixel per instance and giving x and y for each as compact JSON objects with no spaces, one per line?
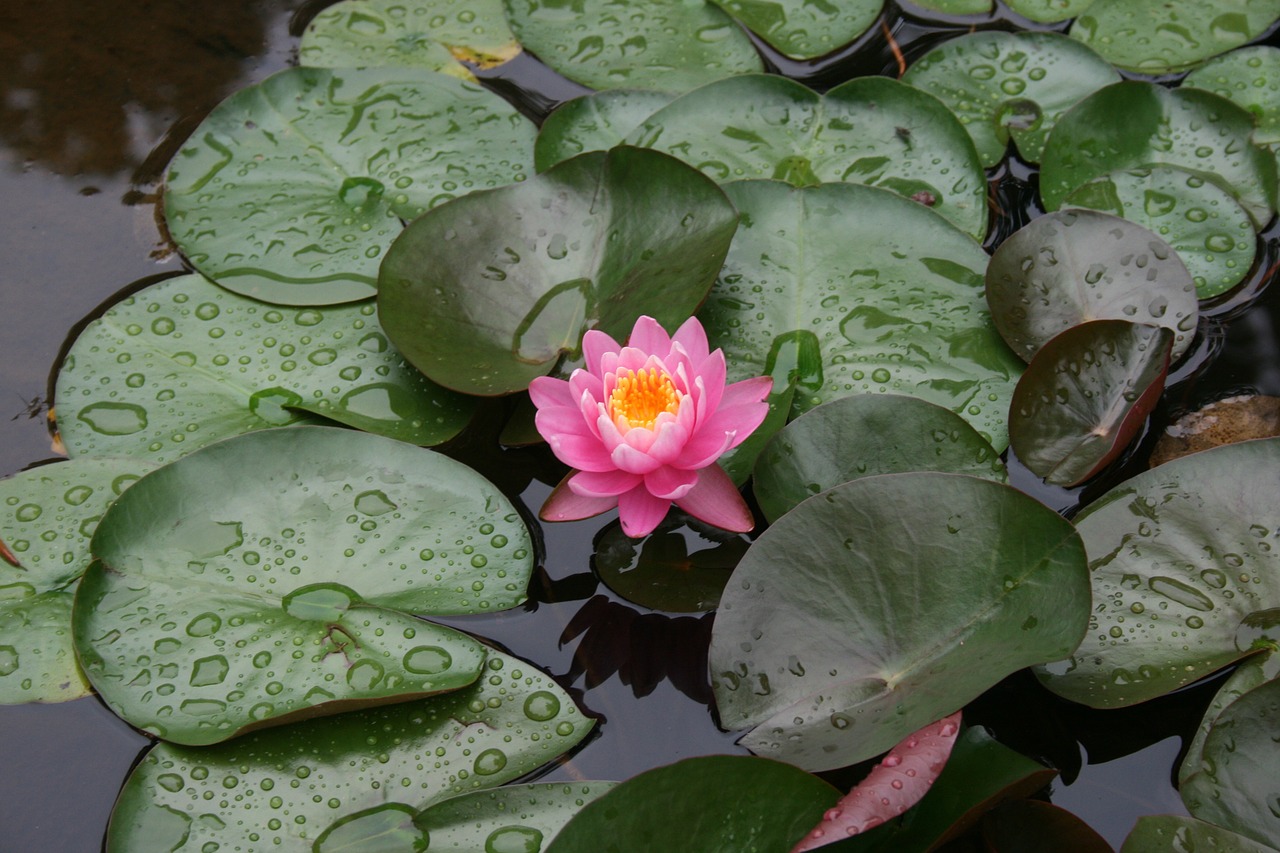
{"x":644,"y":425}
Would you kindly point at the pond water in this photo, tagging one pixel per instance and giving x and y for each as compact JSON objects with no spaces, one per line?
{"x":94,"y":99}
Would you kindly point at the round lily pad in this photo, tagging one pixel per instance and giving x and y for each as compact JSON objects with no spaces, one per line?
{"x":1049,"y":11}
{"x":1185,"y":567}
{"x":1190,"y":128}
{"x":184,"y":363}
{"x":1159,"y":834}
{"x":956,"y":7}
{"x":865,"y":435}
{"x":513,"y":817}
{"x":277,"y":575}
{"x":870,"y":130}
{"x":1010,"y":85}
{"x":802,"y":29}
{"x":1250,"y":78}
{"x":292,"y":189}
{"x":844,"y":289}
{"x":595,"y":122}
{"x":47,"y":515}
{"x":1069,"y":267}
{"x":1209,"y":230}
{"x":904,"y":597}
{"x":285,"y":787}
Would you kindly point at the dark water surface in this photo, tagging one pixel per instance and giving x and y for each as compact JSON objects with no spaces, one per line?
{"x":94,"y":99}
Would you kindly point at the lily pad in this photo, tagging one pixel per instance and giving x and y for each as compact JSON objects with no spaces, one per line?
{"x":492,"y":290}
{"x":595,"y":122}
{"x":1190,"y":128}
{"x":870,"y":130}
{"x":856,"y":290}
{"x":436,"y":35}
{"x":518,"y":818}
{"x":1162,"y":833}
{"x":668,"y":45}
{"x":1073,"y":266}
{"x":1010,"y":85}
{"x":184,"y":363}
{"x":905,"y":596}
{"x":1209,"y":230}
{"x":711,"y":803}
{"x":865,"y":435}
{"x":283,"y":788}
{"x":1084,"y":397}
{"x":47,"y":515}
{"x":956,"y":7}
{"x":669,"y":571}
{"x":1253,"y":672}
{"x":805,"y":30}
{"x":1250,"y":78}
{"x":1159,"y":38}
{"x":1184,"y":567}
{"x":1049,"y":11}
{"x":292,"y":189}
{"x":290,"y":587}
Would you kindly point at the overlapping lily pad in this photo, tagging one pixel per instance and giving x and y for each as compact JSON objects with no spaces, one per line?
{"x":184,"y":363}
{"x":1250,"y":78}
{"x":956,"y":7}
{"x":595,"y":122}
{"x":492,"y":290}
{"x":1190,"y":128}
{"x":865,"y":435}
{"x":1158,"y":38}
{"x":1251,"y":673}
{"x":287,"y":786}
{"x":1185,"y":567}
{"x":905,"y":596}
{"x":1161,"y":833}
{"x":1010,"y":85}
{"x":870,"y":130}
{"x":47,"y":515}
{"x":1049,"y":11}
{"x":853,"y":290}
{"x":292,"y":189}
{"x":802,"y":29}
{"x":1209,"y":230}
{"x":277,"y":575}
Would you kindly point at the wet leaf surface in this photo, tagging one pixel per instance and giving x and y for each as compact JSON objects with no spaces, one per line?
{"x":1250,"y":78}
{"x":1161,"y":833}
{"x":1253,"y":672}
{"x":802,"y":29}
{"x":514,"y":817}
{"x":594,"y":122}
{"x":1049,"y":11}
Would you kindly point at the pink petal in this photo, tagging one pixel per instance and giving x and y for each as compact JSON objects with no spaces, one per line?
{"x":610,"y":436}
{"x":563,"y":505}
{"x":670,"y":483}
{"x":716,"y":501}
{"x":557,"y":420}
{"x":590,"y":411}
{"x":603,"y":484}
{"x":627,"y":458}
{"x":712,"y":373}
{"x":595,"y":344}
{"x":639,"y":438}
{"x":640,"y":512}
{"x":751,"y":390}
{"x":585,"y":453}
{"x":740,"y":420}
{"x":632,"y":359}
{"x":669,"y":440}
{"x":693,"y":338}
{"x":547,"y":391}
{"x":703,"y":449}
{"x":583,"y":383}
{"x":649,"y":336}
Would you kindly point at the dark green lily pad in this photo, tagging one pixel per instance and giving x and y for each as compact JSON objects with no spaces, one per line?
{"x":1190,"y":128}
{"x":290,"y":587}
{"x":1073,"y":266}
{"x":802,"y":29}
{"x":905,"y":596}
{"x":1010,"y":85}
{"x":849,"y":289}
{"x":713,"y":803}
{"x":595,"y":122}
{"x":515,"y":817}
{"x":668,"y":45}
{"x":492,"y":290}
{"x":47,"y":515}
{"x":870,"y":130}
{"x":1252,"y":672}
{"x":1159,"y":38}
{"x":1250,"y":78}
{"x":1049,"y":11}
{"x":1162,"y":833}
{"x":669,"y":571}
{"x":1034,"y":826}
{"x":1209,"y":230}
{"x":435,"y":35}
{"x":292,"y":189}
{"x":281,"y":789}
{"x":1185,"y":569}
{"x":865,"y":435}
{"x":1084,"y":397}
{"x":185,"y":363}
{"x":956,"y":7}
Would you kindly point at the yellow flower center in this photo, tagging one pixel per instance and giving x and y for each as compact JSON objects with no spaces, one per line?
{"x":640,"y":396}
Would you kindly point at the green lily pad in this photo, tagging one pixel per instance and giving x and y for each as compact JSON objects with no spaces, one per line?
{"x":1159,"y":38}
{"x":1184,"y":567}
{"x":281,"y":789}
{"x":1209,"y":230}
{"x":47,"y":515}
{"x":292,"y":189}
{"x":492,"y":290}
{"x":1253,"y":672}
{"x":1250,"y":78}
{"x":870,"y":130}
{"x":595,"y":122}
{"x":1162,"y":833}
{"x":1073,"y":266}
{"x":184,"y":363}
{"x":905,"y":596}
{"x":865,"y":435}
{"x":435,"y":35}
{"x":956,"y":7}
{"x":713,"y":803}
{"x":1084,"y":397}
{"x":1010,"y":85}
{"x":515,"y":817}
{"x":805,"y":30}
{"x":1049,"y":11}
{"x":850,"y":289}
{"x":669,"y":571}
{"x":289,"y":588}
{"x":1190,"y":128}
{"x":668,"y":45}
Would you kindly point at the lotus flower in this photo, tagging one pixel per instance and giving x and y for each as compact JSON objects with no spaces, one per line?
{"x":644,"y":425}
